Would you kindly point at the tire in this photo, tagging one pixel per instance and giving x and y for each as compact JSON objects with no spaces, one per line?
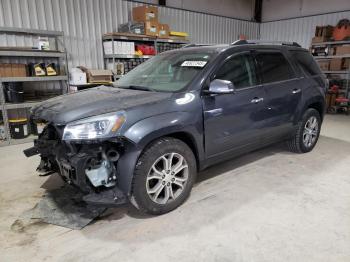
{"x":152,"y":174}
{"x":297,"y":143}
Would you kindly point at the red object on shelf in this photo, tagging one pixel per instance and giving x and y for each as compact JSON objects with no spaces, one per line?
{"x":342,"y":100}
{"x":342,"y":30}
{"x":334,"y":89}
{"x":146,"y":49}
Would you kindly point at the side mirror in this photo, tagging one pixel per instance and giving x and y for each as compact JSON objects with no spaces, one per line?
{"x":219,"y":86}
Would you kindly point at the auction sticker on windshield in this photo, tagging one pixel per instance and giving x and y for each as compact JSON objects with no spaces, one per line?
{"x":194,"y":63}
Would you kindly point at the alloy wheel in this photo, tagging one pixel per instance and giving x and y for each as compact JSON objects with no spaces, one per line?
{"x":310,"y":132}
{"x":167,"y":178}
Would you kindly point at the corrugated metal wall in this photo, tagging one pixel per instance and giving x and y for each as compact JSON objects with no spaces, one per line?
{"x":299,"y":30}
{"x":85,"y":21}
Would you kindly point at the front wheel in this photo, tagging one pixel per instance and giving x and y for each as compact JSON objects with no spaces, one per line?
{"x":307,"y":132}
{"x":163,"y":176}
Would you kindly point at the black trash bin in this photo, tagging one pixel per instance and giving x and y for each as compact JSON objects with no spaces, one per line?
{"x":19,"y":128}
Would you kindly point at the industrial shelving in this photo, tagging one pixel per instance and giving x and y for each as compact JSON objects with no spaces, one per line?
{"x":332,"y":56}
{"x":330,"y":43}
{"x":58,"y":54}
{"x":335,"y":74}
{"x":156,"y":42}
{"x":34,"y":78}
{"x":29,"y":53}
{"x":128,"y":56}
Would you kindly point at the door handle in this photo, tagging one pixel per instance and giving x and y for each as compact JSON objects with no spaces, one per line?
{"x":214,"y":112}
{"x":256,"y":100}
{"x":296,"y":91}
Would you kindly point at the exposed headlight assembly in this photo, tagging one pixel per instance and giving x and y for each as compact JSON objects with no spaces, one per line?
{"x":101,"y":126}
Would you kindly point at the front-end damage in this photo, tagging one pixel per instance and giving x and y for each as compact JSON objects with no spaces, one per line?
{"x":90,"y":165}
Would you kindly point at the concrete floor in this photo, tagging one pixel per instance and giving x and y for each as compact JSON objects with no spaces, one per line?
{"x":270,"y":205}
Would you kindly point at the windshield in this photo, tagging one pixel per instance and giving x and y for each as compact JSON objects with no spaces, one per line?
{"x":165,"y":73}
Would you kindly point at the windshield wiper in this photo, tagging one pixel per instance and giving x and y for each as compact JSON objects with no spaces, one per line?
{"x":134,"y":87}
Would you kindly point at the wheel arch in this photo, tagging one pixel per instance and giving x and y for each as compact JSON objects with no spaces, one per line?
{"x":146,"y":131}
{"x":317,"y":103}
{"x":185,"y":137}
{"x":319,"y":106}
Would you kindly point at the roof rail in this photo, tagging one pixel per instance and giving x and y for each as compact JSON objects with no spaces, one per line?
{"x":245,"y":42}
{"x":194,"y":45}
{"x":240,"y":42}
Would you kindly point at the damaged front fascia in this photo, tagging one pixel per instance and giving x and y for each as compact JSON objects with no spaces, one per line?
{"x":73,"y":159}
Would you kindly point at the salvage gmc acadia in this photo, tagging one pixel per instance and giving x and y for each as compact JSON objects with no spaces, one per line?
{"x":145,"y":139}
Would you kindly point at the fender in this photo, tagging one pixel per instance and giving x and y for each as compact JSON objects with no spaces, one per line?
{"x":140,"y":134}
{"x":315,"y":99}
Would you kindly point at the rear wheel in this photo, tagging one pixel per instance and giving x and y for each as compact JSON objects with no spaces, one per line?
{"x":163,"y":176}
{"x":307,"y":132}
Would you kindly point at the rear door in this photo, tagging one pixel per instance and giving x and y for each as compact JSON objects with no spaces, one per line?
{"x":283,"y":92}
{"x":234,"y":121}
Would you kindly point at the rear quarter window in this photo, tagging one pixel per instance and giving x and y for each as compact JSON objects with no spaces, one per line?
{"x":306,"y":62}
{"x":273,"y":67}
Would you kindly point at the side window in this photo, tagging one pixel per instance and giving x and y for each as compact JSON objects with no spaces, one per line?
{"x":239,"y":70}
{"x":306,"y":62}
{"x":273,"y":67}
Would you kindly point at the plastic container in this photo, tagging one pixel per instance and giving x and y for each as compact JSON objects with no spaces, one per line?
{"x":14,"y":92}
{"x":19,"y":128}
{"x":2,"y":132}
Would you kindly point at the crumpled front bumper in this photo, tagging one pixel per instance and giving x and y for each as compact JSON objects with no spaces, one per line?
{"x":90,"y":166}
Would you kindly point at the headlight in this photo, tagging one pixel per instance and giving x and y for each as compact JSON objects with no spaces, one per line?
{"x":102,"y":126}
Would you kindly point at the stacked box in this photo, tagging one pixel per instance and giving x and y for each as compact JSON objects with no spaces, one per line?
{"x":120,"y":48}
{"x":145,"y":14}
{"x":322,"y":34}
{"x":163,"y":31}
{"x":13,"y":70}
{"x":343,"y":50}
{"x":324,"y":64}
{"x":132,"y":28}
{"x":336,"y":64}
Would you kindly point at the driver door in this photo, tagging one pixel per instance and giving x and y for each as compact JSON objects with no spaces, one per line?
{"x":234,"y":121}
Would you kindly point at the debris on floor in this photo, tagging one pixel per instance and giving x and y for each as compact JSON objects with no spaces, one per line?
{"x":64,"y":207}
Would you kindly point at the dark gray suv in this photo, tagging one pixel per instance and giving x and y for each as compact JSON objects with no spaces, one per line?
{"x":145,"y":139}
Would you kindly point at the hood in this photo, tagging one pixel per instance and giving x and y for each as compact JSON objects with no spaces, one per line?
{"x":95,"y":101}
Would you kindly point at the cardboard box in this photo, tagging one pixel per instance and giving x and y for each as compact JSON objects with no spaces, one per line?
{"x":131,"y":48}
{"x":336,"y":64}
{"x":318,"y":39}
{"x":324,"y":64}
{"x":346,"y":63}
{"x":3,"y":72}
{"x":97,"y":75}
{"x":331,"y":50}
{"x":330,"y":99}
{"x":325,"y":31}
{"x":107,"y":47}
{"x":343,"y":50}
{"x":19,"y":70}
{"x":145,"y":14}
{"x":118,"y":47}
{"x":6,"y":70}
{"x":163,"y":31}
{"x":151,"y":28}
{"x":77,"y":77}
{"x":13,"y":70}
